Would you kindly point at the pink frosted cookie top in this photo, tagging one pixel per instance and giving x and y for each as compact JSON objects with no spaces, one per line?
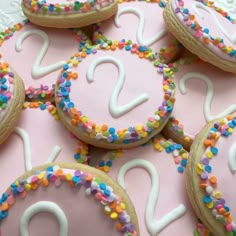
{"x":63,"y":202}
{"x":214,"y":27}
{"x":66,"y":6}
{"x":203,"y":93}
{"x":6,"y":87}
{"x":37,"y":54}
{"x":216,"y":171}
{"x":46,"y":137}
{"x":134,"y":21}
{"x":149,"y":175}
{"x":117,"y":97}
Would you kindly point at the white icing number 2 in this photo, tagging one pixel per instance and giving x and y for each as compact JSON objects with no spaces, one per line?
{"x":209,"y":96}
{"x":115,"y":110}
{"x":232,"y":158}
{"x":153,"y":226}
{"x":43,"y":206}
{"x":231,"y":37}
{"x":37,"y":71}
{"x":27,"y":150}
{"x":140,"y":15}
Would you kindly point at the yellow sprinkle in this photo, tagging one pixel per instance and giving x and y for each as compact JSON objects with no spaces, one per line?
{"x":41,"y":176}
{"x":217,"y":195}
{"x":185,"y":155}
{"x":139,"y":127}
{"x":68,"y":177}
{"x":97,"y":129}
{"x":186,"y":139}
{"x":84,"y":119}
{"x":210,"y":205}
{"x":123,"y":206}
{"x":92,"y":135}
{"x":230,"y":130}
{"x":106,"y":169}
{"x":144,"y":134}
{"x":156,"y":124}
{"x":27,"y":187}
{"x":158,"y":147}
{"x":209,"y":154}
{"x":199,"y":169}
{"x":113,"y":215}
{"x":165,"y":87}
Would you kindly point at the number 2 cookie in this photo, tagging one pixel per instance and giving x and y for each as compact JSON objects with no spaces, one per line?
{"x":66,"y":199}
{"x":133,"y":21}
{"x":211,"y":176}
{"x":203,"y":93}
{"x":68,"y":13}
{"x":11,"y":98}
{"x":114,"y":97}
{"x":205,"y":29}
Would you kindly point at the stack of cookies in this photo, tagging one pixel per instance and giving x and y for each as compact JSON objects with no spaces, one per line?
{"x":125,"y":105}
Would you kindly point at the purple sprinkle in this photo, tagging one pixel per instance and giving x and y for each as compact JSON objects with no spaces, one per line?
{"x":205,"y":161}
{"x":177,"y":10}
{"x":204,"y":175}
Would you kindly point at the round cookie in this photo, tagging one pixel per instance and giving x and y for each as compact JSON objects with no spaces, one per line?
{"x":203,"y":93}
{"x":68,"y":13}
{"x":134,"y":20}
{"x":38,"y":138}
{"x":211,"y":176}
{"x":119,"y":98}
{"x":66,"y":199}
{"x":152,"y":176}
{"x":37,"y":54}
{"x":204,"y":29}
{"x":11,"y":99}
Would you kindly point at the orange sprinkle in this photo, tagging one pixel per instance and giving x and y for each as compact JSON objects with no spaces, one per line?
{"x":74,"y":75}
{"x":206,"y":40}
{"x":89,"y":177}
{"x":112,"y":205}
{"x":5,"y":206}
{"x":213,"y":179}
{"x":34,"y":186}
{"x":74,"y":121}
{"x":45,"y":182}
{"x":119,"y":226}
{"x":104,"y":127}
{"x":118,"y":209}
{"x":113,"y":47}
{"x":59,"y":172}
{"x":83,"y":54}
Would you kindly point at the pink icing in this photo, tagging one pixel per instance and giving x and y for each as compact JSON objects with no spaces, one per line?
{"x":207,"y":21}
{"x":84,"y":214}
{"x":83,"y":94}
{"x":44,"y":133}
{"x":189,"y":107}
{"x":129,"y":23}
{"x":171,"y":191}
{"x":62,"y":44}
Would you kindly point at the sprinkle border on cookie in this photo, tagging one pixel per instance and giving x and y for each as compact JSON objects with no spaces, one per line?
{"x":213,"y":198}
{"x":44,"y":7}
{"x":102,"y":192}
{"x":201,"y":32}
{"x":103,"y":132}
{"x":6,"y":86}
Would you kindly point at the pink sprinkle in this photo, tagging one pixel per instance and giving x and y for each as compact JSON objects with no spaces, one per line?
{"x":98,"y":196}
{"x":34,"y":179}
{"x":177,"y":160}
{"x":23,"y":194}
{"x":221,"y":45}
{"x":11,"y":200}
{"x":218,"y":207}
{"x":198,"y":34}
{"x":151,"y":119}
{"x":229,"y":227}
{"x":189,"y":22}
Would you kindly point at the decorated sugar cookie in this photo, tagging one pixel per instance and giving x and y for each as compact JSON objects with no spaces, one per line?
{"x":135,"y":20}
{"x":68,"y":13}
{"x":67,"y":199}
{"x":114,"y":97}
{"x":11,"y":98}
{"x":206,"y":28}
{"x":203,"y":93}
{"x":38,"y":138}
{"x":211,"y":176}
{"x":152,"y":176}
{"x":37,"y":54}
